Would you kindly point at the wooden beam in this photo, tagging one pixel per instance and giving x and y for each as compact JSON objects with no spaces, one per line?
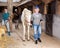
{"x":23,"y":2}
{"x":3,"y":4}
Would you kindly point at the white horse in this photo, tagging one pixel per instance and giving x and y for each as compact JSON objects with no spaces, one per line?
{"x":26,"y":18}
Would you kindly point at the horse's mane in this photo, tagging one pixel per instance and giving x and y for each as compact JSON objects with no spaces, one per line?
{"x":26,"y":10}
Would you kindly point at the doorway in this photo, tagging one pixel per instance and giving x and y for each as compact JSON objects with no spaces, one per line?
{"x":51,"y":10}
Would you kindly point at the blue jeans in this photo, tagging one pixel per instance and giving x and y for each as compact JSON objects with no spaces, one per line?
{"x":6,"y":22}
{"x":37,"y":31}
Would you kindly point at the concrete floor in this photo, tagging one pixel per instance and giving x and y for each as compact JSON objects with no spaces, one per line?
{"x":15,"y":40}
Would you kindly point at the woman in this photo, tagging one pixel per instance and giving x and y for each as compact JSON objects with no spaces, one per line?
{"x":36,"y":18}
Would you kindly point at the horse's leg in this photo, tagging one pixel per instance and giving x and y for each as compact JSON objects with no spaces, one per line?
{"x":24,"y":31}
{"x":28,"y":28}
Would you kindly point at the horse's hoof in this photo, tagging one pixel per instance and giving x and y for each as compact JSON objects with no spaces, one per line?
{"x":28,"y":39}
{"x":23,"y":40}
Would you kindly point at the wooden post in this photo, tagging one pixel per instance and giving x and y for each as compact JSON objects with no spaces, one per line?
{"x":10,"y":6}
{"x":58,"y":8}
{"x":10,"y":9}
{"x":45,"y":9}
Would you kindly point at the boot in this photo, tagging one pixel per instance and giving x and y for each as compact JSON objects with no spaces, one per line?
{"x":36,"y":42}
{"x":9,"y":33}
{"x":39,"y":39}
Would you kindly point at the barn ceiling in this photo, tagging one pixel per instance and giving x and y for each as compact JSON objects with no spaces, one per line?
{"x":13,"y":0}
{"x":21,"y":2}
